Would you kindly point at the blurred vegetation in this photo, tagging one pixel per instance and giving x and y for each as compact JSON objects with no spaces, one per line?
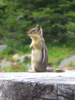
{"x":56,"y":54}
{"x":57,"y":18}
{"x":15,"y":68}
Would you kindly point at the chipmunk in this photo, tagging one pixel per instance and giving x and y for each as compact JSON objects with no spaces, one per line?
{"x":39,"y":58}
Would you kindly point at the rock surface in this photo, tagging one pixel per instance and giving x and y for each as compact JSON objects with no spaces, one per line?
{"x":5,"y":63}
{"x":9,"y":63}
{"x":37,"y":86}
{"x":2,"y":47}
{"x":67,"y":61}
{"x":21,"y":58}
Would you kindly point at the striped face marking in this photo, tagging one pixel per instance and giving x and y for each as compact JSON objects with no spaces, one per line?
{"x":30,"y":31}
{"x":34,"y":32}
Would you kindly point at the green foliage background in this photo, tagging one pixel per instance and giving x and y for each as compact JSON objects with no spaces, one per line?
{"x":57,"y":18}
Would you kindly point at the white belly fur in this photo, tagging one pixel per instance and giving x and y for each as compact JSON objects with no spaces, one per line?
{"x":36,"y":55}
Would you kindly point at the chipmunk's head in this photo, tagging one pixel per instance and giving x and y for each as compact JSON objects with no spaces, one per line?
{"x":35,"y":32}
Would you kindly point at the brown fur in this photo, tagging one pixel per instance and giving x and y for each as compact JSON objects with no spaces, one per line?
{"x":39,"y":58}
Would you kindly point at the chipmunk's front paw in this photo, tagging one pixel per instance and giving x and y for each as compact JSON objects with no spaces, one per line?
{"x":31,"y":71}
{"x":31,"y":47}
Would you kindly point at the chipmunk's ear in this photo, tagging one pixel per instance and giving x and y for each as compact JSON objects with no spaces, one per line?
{"x":38,"y":27}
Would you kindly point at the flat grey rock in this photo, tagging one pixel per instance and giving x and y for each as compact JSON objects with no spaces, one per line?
{"x":21,"y":58}
{"x":37,"y":86}
{"x":67,"y":61}
{"x":5,"y":63}
{"x":2,"y":47}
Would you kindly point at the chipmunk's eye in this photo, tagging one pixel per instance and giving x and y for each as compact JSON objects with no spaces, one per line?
{"x":33,"y":30}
